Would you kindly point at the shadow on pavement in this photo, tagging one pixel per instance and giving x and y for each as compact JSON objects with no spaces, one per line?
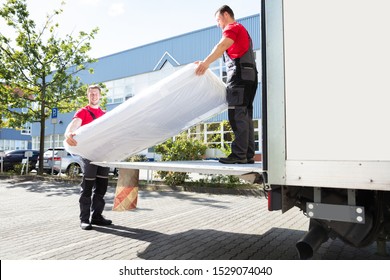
{"x":51,"y":187}
{"x":201,"y":244}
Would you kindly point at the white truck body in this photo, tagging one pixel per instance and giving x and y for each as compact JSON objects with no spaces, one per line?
{"x":326,"y":93}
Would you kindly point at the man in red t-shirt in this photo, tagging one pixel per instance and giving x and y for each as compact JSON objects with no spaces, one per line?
{"x":95,"y":179}
{"x":241,"y":84}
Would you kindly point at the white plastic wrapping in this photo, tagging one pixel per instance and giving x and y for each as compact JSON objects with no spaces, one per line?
{"x":161,"y":111}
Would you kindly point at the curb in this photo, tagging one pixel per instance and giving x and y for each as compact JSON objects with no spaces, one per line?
{"x":257,"y":192}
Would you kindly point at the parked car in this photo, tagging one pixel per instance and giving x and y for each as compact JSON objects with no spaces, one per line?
{"x":14,"y":157}
{"x":61,"y":161}
{"x":68,"y":163}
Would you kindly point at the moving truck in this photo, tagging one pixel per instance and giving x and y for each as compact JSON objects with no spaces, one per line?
{"x":325,"y":120}
{"x":326,"y":114}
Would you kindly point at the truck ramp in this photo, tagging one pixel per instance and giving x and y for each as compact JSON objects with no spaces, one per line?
{"x":196,"y":166}
{"x":126,"y":194}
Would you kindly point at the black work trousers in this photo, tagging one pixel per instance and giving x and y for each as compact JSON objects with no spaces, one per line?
{"x":241,"y":121}
{"x":93,"y":188}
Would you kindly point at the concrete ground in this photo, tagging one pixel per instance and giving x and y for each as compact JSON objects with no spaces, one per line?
{"x":39,"y":221}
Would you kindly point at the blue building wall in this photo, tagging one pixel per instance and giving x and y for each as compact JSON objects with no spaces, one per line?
{"x":8,"y":133}
{"x":185,"y":49}
{"x":13,"y":134}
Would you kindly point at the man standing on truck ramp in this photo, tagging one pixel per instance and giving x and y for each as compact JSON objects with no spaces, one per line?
{"x":237,"y":50}
{"x":95,"y":179}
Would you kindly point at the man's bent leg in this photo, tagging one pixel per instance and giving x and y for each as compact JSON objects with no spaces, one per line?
{"x":238,"y":118}
{"x":98,"y":201}
{"x":85,"y":203}
{"x":87,"y":186}
{"x":251,"y":138}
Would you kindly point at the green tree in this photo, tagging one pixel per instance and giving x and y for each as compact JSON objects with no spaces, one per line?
{"x":38,"y":70}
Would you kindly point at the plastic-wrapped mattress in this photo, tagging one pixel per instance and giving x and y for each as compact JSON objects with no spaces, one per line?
{"x":161,"y":111}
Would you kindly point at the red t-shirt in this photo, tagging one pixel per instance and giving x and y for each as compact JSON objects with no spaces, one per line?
{"x":239,"y":35}
{"x":85,"y":116}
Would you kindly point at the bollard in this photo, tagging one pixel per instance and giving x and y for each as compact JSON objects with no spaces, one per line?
{"x":126,"y":193}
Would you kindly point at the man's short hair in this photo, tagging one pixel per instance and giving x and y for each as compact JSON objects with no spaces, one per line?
{"x":225,"y":8}
{"x":93,"y":87}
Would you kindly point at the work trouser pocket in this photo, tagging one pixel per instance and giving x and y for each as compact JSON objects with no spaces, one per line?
{"x":248,"y":72}
{"x":235,"y":96}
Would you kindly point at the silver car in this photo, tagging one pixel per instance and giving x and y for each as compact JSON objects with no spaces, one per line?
{"x":69,"y":164}
{"x":61,"y":162}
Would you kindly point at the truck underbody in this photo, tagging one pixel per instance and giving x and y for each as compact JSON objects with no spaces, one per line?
{"x":367,"y":219}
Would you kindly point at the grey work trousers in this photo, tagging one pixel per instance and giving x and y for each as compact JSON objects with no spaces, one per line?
{"x":93,"y":188}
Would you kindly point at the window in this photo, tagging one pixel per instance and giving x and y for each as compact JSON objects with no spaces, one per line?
{"x":220,"y":135}
{"x":119,"y":90}
{"x":219,"y":69}
{"x":26,"y":130}
{"x":6,"y":144}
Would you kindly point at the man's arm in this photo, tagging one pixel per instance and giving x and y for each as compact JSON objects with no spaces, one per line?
{"x":70,"y":129}
{"x":217,"y":52}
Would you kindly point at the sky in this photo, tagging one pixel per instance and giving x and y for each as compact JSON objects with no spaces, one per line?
{"x":126,"y":24}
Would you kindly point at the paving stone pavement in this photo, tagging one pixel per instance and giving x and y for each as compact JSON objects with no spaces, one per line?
{"x":39,"y":221}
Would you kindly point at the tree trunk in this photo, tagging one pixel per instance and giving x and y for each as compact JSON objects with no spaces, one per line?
{"x":42,"y":132}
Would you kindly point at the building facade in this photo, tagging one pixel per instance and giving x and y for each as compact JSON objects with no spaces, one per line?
{"x":129,"y":72}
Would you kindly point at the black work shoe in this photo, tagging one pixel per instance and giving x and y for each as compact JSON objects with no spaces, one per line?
{"x":85,"y":225}
{"x":250,"y":161}
{"x":101,"y":221}
{"x":232,"y":160}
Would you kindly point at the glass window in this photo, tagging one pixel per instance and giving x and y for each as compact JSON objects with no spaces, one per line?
{"x":26,"y":130}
